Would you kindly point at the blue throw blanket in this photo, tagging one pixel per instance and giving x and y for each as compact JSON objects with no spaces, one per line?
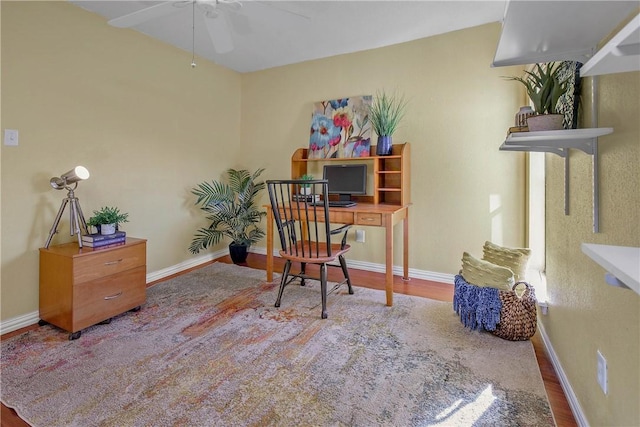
{"x":478,"y":307}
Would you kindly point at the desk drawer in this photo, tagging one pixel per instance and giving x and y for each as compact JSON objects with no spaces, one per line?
{"x":109,"y":262}
{"x":367,"y":218}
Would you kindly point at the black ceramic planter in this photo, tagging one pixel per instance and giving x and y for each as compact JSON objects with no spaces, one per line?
{"x":238,"y":253}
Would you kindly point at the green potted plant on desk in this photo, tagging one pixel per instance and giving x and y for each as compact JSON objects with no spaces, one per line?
{"x":233,"y":213}
{"x":106,"y":219}
{"x":305,"y":188}
{"x":545,"y":88}
{"x":386,"y":113}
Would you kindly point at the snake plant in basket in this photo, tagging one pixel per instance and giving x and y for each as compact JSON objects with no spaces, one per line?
{"x":233,"y":213}
{"x":545,"y":88}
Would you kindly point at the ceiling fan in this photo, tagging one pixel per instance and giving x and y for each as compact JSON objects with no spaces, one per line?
{"x":214,"y":12}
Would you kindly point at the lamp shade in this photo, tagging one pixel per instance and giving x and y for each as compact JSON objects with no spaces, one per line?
{"x":76,"y":174}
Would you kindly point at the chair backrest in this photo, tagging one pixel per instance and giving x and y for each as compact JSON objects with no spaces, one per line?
{"x":300,"y":208}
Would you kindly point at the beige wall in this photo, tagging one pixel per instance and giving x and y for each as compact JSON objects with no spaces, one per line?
{"x":585,"y":313}
{"x":464,"y":191}
{"x":148,"y":128}
{"x":129,"y":108}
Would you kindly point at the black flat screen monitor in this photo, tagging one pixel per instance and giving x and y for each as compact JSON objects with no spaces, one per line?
{"x":346,"y":180}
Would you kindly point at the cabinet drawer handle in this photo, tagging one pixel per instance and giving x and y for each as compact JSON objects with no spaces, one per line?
{"x":369,"y":219}
{"x":113,"y":296}
{"x":113,"y":262}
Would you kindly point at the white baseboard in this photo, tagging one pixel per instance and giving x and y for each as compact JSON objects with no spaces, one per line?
{"x":194,"y":262}
{"x":578,"y":414}
{"x":29,"y":319}
{"x":18,"y":322}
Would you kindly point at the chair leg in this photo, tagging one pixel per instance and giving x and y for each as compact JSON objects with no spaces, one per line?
{"x":323,"y":289}
{"x":303,"y":268}
{"x":345,"y":271}
{"x":285,"y":274}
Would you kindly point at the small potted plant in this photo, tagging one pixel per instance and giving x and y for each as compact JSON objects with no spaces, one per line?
{"x":386,"y":113}
{"x":106,"y":219}
{"x":544,"y":88}
{"x":305,"y":188}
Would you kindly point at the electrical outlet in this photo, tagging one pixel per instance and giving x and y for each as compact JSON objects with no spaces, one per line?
{"x":360,"y":236}
{"x":602,"y":372}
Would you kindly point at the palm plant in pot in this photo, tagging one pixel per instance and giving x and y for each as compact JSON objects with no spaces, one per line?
{"x":232,"y":210}
{"x":386,"y":113}
{"x":545,"y":88}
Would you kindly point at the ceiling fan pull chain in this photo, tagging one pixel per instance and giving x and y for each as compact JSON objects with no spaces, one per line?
{"x":193,"y":34}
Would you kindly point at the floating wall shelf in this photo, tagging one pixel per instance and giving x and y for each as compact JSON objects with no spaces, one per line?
{"x":620,"y":54}
{"x":556,"y":141}
{"x":621,"y":262}
{"x":569,"y":31}
{"x":559,"y":142}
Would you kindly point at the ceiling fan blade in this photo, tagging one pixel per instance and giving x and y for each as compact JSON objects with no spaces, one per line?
{"x":282,"y":7}
{"x":144,"y":15}
{"x":239,"y":23}
{"x":234,"y":5}
{"x":220,"y":33}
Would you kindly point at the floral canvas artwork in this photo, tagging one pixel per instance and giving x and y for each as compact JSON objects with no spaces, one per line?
{"x":341,"y":128}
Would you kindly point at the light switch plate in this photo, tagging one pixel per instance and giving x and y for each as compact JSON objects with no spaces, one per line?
{"x":602,"y":372}
{"x":10,"y":137}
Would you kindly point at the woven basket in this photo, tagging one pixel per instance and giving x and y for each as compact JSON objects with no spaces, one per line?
{"x":518,"y":317}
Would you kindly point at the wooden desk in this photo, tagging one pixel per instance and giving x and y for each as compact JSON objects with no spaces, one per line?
{"x":377,"y":215}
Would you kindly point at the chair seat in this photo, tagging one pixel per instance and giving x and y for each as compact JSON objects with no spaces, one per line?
{"x":317,"y":254}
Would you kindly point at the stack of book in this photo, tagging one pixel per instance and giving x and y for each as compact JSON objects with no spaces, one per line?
{"x":516,"y":129}
{"x":306,"y":197}
{"x":99,"y":241}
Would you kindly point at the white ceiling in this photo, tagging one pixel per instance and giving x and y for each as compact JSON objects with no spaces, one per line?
{"x":267,"y":34}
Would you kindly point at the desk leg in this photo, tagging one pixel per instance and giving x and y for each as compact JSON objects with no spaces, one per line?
{"x":405,"y":248}
{"x":388,"y":226}
{"x":269,"y":245}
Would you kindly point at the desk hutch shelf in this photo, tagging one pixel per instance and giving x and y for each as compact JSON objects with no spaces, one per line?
{"x":391,"y":174}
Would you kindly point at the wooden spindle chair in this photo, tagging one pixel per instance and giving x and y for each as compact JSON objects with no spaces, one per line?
{"x":305,"y":234}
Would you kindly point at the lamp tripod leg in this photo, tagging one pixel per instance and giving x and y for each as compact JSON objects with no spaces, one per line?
{"x":83,"y":223}
{"x":77,"y":220}
{"x":54,"y":227}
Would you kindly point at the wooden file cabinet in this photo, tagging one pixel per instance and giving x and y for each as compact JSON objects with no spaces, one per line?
{"x":80,"y":287}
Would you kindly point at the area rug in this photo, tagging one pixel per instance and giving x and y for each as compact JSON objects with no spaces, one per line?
{"x":209,"y":349}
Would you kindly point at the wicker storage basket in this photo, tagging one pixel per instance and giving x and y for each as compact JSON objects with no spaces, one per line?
{"x":518,"y":317}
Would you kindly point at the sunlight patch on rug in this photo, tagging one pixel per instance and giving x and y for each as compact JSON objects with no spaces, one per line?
{"x":209,"y":348}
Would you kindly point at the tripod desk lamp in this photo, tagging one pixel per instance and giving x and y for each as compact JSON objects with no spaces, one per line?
{"x":69,"y":181}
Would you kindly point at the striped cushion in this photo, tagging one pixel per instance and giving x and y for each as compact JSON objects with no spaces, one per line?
{"x":483,"y":273}
{"x":515,"y":259}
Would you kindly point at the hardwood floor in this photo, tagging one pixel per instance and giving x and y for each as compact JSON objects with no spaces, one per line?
{"x":416,"y":287}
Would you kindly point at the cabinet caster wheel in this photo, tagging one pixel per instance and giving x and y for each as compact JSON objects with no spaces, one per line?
{"x":136,"y":309}
{"x":42,"y":322}
{"x":105,"y":322}
{"x":75,"y":335}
